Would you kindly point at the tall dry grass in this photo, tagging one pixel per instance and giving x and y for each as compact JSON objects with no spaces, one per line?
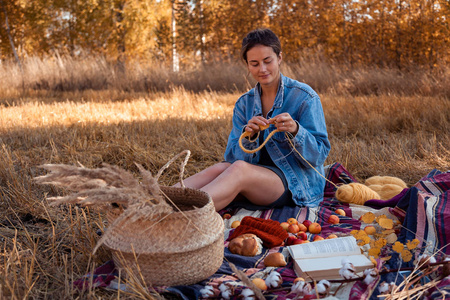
{"x":52,"y":74}
{"x":44,"y":249}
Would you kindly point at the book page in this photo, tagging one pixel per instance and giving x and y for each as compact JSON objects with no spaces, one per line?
{"x":332,"y":265}
{"x":332,"y":247}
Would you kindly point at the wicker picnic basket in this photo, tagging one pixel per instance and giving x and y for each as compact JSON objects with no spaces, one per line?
{"x":163,"y":235}
{"x":183,"y":248}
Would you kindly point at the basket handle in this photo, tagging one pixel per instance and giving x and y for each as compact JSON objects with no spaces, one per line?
{"x":183,"y":164}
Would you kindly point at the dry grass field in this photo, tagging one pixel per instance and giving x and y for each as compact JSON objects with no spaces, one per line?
{"x":44,"y":249}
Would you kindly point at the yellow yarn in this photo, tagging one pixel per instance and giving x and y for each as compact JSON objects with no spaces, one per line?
{"x":248,"y":134}
{"x":356,"y":193}
{"x":382,"y":180}
{"x":386,"y":191}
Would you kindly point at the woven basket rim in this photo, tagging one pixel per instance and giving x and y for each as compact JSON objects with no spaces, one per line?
{"x":201,"y":225}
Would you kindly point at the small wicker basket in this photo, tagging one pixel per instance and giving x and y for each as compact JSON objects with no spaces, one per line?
{"x":183,"y":248}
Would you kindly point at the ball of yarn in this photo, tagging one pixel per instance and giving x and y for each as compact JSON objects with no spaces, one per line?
{"x":386,"y":191}
{"x":382,"y":180}
{"x":356,"y":193}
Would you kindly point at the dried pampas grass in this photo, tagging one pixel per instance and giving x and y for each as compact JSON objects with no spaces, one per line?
{"x":109,"y":184}
{"x":106,"y":186}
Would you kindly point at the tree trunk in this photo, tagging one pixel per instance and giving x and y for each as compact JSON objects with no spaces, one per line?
{"x":9,"y":35}
{"x":175,"y":60}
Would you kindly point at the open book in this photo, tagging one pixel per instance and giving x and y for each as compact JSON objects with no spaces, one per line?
{"x":323,"y":259}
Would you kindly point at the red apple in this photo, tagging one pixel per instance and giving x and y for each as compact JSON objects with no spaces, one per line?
{"x":307,"y":223}
{"x":284,"y":225}
{"x":293,"y":228}
{"x":290,"y":240}
{"x":315,"y":228}
{"x":298,"y":241}
{"x":302,"y":235}
{"x":318,"y":238}
{"x":333,"y":219}
{"x":226,"y":216}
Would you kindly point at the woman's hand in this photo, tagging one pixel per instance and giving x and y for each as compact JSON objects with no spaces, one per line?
{"x":284,"y":122}
{"x":255,"y":123}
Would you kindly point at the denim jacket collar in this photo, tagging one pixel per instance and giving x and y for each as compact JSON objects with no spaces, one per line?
{"x":278,"y":98}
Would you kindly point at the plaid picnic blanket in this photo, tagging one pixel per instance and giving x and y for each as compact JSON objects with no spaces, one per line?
{"x":422,"y":209}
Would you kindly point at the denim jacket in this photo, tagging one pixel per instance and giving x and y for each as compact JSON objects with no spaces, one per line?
{"x":311,"y":140}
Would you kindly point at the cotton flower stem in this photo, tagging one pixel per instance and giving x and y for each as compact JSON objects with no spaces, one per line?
{"x":339,"y":287}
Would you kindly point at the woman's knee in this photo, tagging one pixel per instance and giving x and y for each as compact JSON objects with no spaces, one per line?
{"x":217,"y":169}
{"x":239,"y":168}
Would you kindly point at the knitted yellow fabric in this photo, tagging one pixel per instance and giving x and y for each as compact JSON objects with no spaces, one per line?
{"x":356,"y":193}
{"x":386,"y":191}
{"x":375,"y":187}
{"x":382,"y":180}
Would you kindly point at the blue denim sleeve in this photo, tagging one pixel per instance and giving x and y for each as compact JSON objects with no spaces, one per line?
{"x":311,"y":140}
{"x":233,"y":151}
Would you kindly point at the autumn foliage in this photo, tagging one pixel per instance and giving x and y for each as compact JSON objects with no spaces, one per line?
{"x":373,"y":32}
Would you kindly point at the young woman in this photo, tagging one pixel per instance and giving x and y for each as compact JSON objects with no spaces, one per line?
{"x":276,"y":175}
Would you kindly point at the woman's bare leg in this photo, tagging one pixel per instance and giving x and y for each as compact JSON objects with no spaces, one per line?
{"x":259,"y":185}
{"x":199,"y":180}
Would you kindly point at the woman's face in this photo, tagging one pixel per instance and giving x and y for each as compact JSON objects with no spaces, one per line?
{"x":264,"y":65}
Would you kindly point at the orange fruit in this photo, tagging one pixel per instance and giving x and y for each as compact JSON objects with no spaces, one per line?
{"x":260,"y":283}
{"x":340,"y":211}
{"x":284,"y":225}
{"x":293,"y":228}
{"x":315,"y":228}
{"x":235,"y":224}
{"x":370,"y":229}
{"x":333,"y":219}
{"x":302,"y":227}
{"x":292,"y":221}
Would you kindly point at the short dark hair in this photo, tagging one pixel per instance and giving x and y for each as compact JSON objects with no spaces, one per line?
{"x":260,"y":36}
